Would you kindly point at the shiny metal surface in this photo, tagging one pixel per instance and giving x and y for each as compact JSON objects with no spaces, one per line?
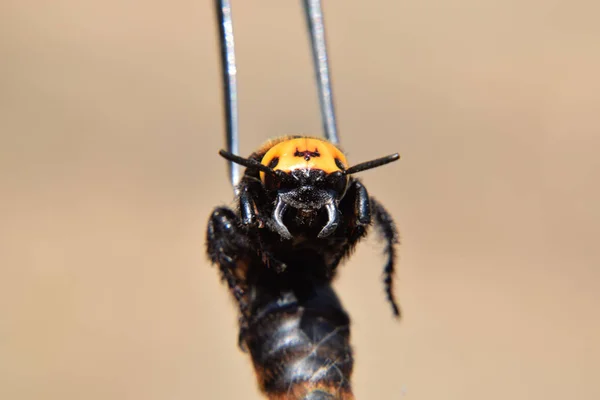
{"x":316,"y":29}
{"x":229,"y":71}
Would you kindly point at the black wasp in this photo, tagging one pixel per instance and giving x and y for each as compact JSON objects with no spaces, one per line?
{"x":300,"y":213}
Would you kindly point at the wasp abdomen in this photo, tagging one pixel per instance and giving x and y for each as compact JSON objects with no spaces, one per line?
{"x":301,"y":349}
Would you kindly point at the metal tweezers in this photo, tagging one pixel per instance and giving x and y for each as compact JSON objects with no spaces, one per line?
{"x":316,"y":28}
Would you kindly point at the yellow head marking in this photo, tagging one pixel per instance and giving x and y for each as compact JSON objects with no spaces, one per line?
{"x":304,"y":153}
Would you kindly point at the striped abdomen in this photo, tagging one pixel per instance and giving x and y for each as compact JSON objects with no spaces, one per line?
{"x":301,"y":347}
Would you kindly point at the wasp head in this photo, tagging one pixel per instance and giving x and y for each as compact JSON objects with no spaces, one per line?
{"x":306,"y":174}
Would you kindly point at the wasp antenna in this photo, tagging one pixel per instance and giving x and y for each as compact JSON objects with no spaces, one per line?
{"x":378,"y":162}
{"x":246,"y":162}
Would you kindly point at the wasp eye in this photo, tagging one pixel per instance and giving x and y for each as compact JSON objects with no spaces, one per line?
{"x":339,"y":164}
{"x":273,"y":163}
{"x":337,"y":181}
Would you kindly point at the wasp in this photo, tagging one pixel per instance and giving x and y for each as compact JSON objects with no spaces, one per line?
{"x":300,"y":212}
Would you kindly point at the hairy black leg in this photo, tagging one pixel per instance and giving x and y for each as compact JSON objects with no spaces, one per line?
{"x":356,"y":208}
{"x":387,"y":230}
{"x":226,"y":244}
{"x":250,"y":218}
{"x":362,"y":205}
{"x":247,"y":211}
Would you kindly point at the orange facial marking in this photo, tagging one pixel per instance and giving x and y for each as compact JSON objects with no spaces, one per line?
{"x":304,"y":153}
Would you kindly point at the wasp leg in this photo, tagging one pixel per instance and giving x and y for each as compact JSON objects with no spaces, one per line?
{"x":362,"y":205}
{"x":387,"y":230}
{"x":230,"y":248}
{"x":247,"y":211}
{"x":251,"y":218}
{"x":356,"y":208}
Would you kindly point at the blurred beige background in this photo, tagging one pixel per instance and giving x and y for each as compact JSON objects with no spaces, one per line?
{"x":110,"y":121}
